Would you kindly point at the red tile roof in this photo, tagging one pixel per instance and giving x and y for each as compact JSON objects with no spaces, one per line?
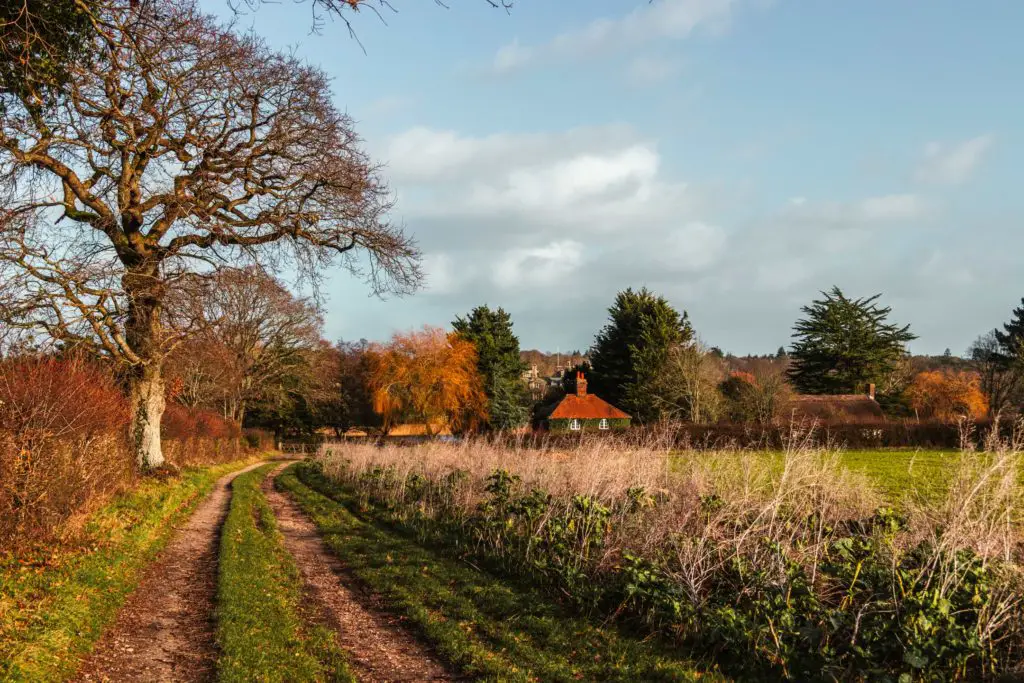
{"x":586,"y":407}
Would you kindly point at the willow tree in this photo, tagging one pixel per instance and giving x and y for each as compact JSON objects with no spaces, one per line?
{"x":427,"y":376}
{"x":178,"y":148}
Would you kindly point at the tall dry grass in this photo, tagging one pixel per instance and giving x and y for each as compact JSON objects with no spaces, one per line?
{"x":792,"y":557}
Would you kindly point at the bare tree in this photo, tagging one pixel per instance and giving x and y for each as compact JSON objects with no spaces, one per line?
{"x":686,"y":388}
{"x":1001,"y":376}
{"x":254,"y":335}
{"x":182,"y":148}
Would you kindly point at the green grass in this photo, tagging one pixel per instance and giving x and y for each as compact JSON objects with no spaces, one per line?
{"x":482,"y":626}
{"x":55,"y":605}
{"x":897,"y":473}
{"x":261,"y":631}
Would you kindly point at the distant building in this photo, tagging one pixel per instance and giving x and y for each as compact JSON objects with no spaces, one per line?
{"x":838,"y":407}
{"x":585,"y":412}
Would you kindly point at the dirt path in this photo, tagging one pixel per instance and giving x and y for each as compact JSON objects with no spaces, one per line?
{"x":165,"y":631}
{"x":380,"y":649}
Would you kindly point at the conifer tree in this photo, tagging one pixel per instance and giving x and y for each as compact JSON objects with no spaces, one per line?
{"x":499,"y":364}
{"x":843,"y":344}
{"x":1011,"y":337}
{"x":631,"y":351}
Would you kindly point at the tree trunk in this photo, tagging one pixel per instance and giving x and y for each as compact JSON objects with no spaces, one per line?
{"x":144,"y":334}
{"x":147,"y":403}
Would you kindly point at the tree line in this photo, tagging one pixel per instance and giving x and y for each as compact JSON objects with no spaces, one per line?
{"x":159,"y":172}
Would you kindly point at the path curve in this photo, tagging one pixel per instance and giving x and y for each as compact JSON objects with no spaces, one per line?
{"x":166,"y":629}
{"x":380,"y":649}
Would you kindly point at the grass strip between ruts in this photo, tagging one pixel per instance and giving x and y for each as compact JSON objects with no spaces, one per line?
{"x":262,"y":632}
{"x":52,"y":610}
{"x":481,"y":625}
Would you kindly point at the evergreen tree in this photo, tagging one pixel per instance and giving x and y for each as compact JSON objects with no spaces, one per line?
{"x":499,"y":364}
{"x":1011,"y":337}
{"x":632,"y":348}
{"x":781,"y":353}
{"x":844,"y":344}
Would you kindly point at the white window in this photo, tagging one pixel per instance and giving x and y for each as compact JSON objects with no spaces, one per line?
{"x":603,"y":424}
{"x":574,"y":425}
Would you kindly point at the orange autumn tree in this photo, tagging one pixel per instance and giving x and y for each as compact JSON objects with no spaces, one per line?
{"x":428,"y":376}
{"x":947,"y":395}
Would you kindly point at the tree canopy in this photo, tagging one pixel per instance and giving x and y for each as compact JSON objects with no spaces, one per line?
{"x":430,"y":377}
{"x":184,"y":146}
{"x":499,"y":364}
{"x":844,"y":344}
{"x":632,"y":349}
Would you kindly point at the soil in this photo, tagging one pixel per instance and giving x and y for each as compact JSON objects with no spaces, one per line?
{"x":166,"y":629}
{"x":379,"y":647}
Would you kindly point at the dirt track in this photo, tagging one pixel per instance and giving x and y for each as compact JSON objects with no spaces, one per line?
{"x":379,"y":647}
{"x":166,"y":629}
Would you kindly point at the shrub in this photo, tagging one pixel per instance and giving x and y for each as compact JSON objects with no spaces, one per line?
{"x":62,"y":447}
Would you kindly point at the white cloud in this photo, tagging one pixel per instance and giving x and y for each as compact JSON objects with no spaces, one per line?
{"x":894,"y":207}
{"x":662,"y":19}
{"x":441,"y":273}
{"x":579,"y":182}
{"x":694,"y":247}
{"x":436,"y":156}
{"x":945,"y":164}
{"x":538,"y":266}
{"x":569,"y":182}
{"x":648,"y":71}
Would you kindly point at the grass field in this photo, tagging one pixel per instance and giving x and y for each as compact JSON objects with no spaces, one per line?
{"x":897,"y":473}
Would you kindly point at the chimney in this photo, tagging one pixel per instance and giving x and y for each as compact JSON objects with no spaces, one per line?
{"x":581,"y":384}
{"x":871,"y":391}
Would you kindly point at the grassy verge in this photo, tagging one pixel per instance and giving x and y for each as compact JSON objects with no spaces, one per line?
{"x":260,"y":629}
{"x":53,"y":607}
{"x":482,"y":626}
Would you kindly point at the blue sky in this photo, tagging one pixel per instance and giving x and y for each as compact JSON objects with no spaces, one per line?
{"x":737,"y":156}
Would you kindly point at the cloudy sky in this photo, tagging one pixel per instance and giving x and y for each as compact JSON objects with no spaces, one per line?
{"x":737,"y":156}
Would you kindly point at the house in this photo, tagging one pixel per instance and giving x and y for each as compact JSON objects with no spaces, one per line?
{"x":581,"y":411}
{"x":838,"y":407}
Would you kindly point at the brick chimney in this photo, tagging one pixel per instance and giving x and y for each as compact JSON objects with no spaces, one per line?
{"x":581,"y":384}
{"x":871,"y":391}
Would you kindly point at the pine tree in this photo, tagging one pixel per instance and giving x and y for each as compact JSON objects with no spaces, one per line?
{"x":632,"y":348}
{"x":499,"y":364}
{"x":843,"y":344}
{"x":1011,"y":337}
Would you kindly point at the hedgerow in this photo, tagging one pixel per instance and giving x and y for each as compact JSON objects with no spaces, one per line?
{"x":792,"y":571}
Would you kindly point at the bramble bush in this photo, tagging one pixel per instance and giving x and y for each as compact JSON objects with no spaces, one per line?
{"x":787,"y":569}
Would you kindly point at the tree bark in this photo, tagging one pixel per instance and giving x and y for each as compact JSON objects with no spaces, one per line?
{"x":147,"y":405}
{"x":144,"y":334}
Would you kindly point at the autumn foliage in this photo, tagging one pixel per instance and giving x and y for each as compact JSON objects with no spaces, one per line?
{"x":947,"y":395}
{"x":427,"y":376}
{"x":62,"y":447}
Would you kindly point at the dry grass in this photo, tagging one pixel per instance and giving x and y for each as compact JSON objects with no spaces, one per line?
{"x":738,"y":524}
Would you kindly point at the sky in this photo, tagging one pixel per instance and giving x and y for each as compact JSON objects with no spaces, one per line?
{"x":736,"y":156}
